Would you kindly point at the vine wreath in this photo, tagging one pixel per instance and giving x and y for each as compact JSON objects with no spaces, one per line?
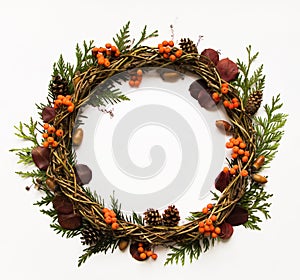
{"x":240,"y":197}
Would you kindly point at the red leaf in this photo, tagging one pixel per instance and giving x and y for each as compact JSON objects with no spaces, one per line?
{"x":227,"y":69}
{"x":212,"y":55}
{"x":62,"y":204}
{"x":238,"y":216}
{"x":41,"y":157}
{"x":222,"y":181}
{"x":70,"y":221}
{"x":48,"y":114}
{"x":205,"y":100}
{"x":196,"y":87}
{"x":226,"y":230}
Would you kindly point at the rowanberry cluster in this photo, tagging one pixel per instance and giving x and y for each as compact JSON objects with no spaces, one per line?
{"x":50,"y":135}
{"x":110,"y":218}
{"x":167,"y":50}
{"x":64,"y":101}
{"x":104,"y":55}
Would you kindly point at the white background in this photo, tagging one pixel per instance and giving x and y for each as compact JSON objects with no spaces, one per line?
{"x":34,"y":33}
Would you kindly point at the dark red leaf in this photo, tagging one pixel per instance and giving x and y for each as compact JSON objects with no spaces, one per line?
{"x":222,"y":181}
{"x":62,"y":204}
{"x":238,"y":216}
{"x":227,"y":69}
{"x":83,"y":174}
{"x":41,"y":157}
{"x":211,"y":55}
{"x":48,"y":114}
{"x":70,"y":221}
{"x":226,"y":230}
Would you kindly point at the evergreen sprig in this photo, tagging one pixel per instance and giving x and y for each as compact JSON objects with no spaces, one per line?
{"x":248,"y":82}
{"x":269,"y":130}
{"x":65,"y":232}
{"x":107,"y":97}
{"x":191,"y":249}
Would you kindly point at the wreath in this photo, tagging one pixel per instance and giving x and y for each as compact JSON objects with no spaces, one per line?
{"x":239,"y":198}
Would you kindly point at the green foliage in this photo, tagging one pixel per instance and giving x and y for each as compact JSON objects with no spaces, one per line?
{"x":192,"y":249}
{"x":249,"y":82}
{"x":65,"y":232}
{"x":255,"y":200}
{"x":269,"y":130}
{"x":27,"y":131}
{"x":123,"y":42}
{"x":106,"y":242}
{"x":84,"y":57}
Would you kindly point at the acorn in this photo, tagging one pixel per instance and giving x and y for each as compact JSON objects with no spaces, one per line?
{"x":259,"y":179}
{"x":123,"y":244}
{"x":224,"y":126}
{"x":170,"y":75}
{"x":259,"y":162}
{"x":77,"y":137}
{"x":51,"y":184}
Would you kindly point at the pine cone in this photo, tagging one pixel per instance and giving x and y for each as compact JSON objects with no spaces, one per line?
{"x":188,"y":46}
{"x":171,"y":216}
{"x":254,"y":102}
{"x":152,"y":217}
{"x":59,"y":86}
{"x":90,"y":236}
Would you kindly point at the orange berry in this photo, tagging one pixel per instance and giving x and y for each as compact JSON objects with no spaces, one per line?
{"x":201,"y":230}
{"x":159,"y":46}
{"x":232,"y":171}
{"x":213,"y":218}
{"x":108,"y":45}
{"x":178,"y":53}
{"x":241,"y":152}
{"x":247,"y":153}
{"x":131,"y":83}
{"x":139,"y":72}
{"x":234,"y":100}
{"x":149,"y":253}
{"x":108,"y":220}
{"x":45,"y":135}
{"x":45,"y":144}
{"x":217,"y":230}
{"x":167,"y":50}
{"x":236,"y":142}
{"x":171,"y":43}
{"x":208,"y":222}
{"x":206,"y":228}
{"x":166,"y":55}
{"x":104,"y":210}
{"x":114,"y":48}
{"x":165,"y":43}
{"x":112,"y":213}
{"x":68,"y":97}
{"x":60,"y":97}
{"x":50,"y":140}
{"x":137,"y":83}
{"x":236,"y":167}
{"x":226,"y":103}
{"x":58,"y":102}
{"x":54,"y":144}
{"x":225,"y":169}
{"x":225,"y":85}
{"x":231,"y":106}
{"x":161,"y":49}
{"x":140,"y":244}
{"x":229,"y":145}
{"x":141,"y":249}
{"x":71,"y":108}
{"x":101,"y":60}
{"x":235,"y":149}
{"x":211,"y":228}
{"x":245,"y":159}
{"x":51,"y":129}
{"x":224,"y":90}
{"x":106,"y":62}
{"x":172,"y":57}
{"x":236,"y":105}
{"x":108,"y":52}
{"x":201,"y":224}
{"x":117,"y":53}
{"x":244,"y":173}
{"x":59,"y":132}
{"x":205,"y":210}
{"x":239,"y":139}
{"x":234,"y":155}
{"x":143,"y":256}
{"x":216,"y":97}
{"x":154,"y":256}
{"x":114,"y":219}
{"x":243,"y":145}
{"x":46,"y":126}
{"x":214,"y":235}
{"x":114,"y":226}
{"x":107,"y":214}
{"x":210,"y":206}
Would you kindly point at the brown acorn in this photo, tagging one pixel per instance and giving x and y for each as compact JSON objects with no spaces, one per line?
{"x":259,"y":179}
{"x":123,"y":244}
{"x":51,"y":184}
{"x":224,"y":126}
{"x":77,"y":137}
{"x":259,"y":162}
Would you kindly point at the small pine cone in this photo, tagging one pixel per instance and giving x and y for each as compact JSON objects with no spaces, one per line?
{"x":188,"y":46}
{"x":90,"y":236}
{"x":254,"y":102}
{"x":152,"y":217}
{"x":171,"y":216}
{"x":59,"y":86}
